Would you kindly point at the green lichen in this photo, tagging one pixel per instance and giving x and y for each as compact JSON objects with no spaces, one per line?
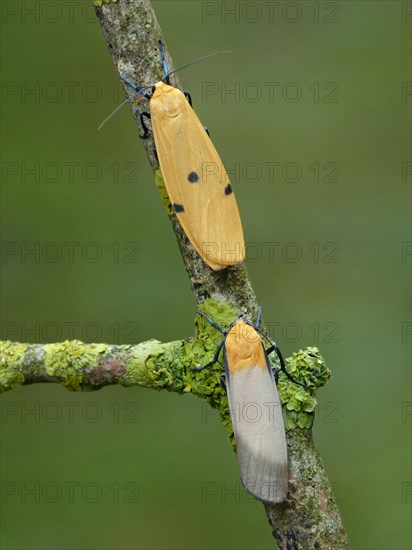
{"x":206,"y":384}
{"x":160,"y":184}
{"x":154,"y":365}
{"x":307,"y":367}
{"x":311,"y":367}
{"x":99,"y":3}
{"x":9,"y":379}
{"x":11,"y":363}
{"x":66,"y":360}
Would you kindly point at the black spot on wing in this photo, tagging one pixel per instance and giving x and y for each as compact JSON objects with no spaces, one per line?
{"x":228,"y":189}
{"x":178,"y":208}
{"x":193,"y":177}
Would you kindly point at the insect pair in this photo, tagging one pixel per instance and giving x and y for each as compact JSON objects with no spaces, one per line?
{"x":203,"y":200}
{"x":196,"y":181}
{"x":255,"y":408}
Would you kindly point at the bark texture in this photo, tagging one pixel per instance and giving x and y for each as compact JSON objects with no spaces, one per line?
{"x":309,"y":518}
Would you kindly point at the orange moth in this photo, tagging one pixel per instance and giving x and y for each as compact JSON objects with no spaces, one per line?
{"x":255,"y":409}
{"x":196,"y":181}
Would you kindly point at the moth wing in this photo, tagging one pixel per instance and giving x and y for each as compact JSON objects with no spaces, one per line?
{"x":257,"y":420}
{"x":197,"y":183}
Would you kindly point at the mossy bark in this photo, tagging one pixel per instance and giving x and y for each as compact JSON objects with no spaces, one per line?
{"x":309,"y":518}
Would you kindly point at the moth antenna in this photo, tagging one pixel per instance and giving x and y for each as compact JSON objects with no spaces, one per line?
{"x":127,"y":100}
{"x":198,"y":61}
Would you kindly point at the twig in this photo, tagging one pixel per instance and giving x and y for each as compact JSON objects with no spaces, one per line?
{"x":310,"y":517}
{"x":132,"y":33}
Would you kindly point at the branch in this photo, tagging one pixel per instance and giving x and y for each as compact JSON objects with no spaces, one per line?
{"x":132,"y":32}
{"x":86,"y":367}
{"x":309,"y":518}
{"x":152,"y":364}
{"x":310,"y":514}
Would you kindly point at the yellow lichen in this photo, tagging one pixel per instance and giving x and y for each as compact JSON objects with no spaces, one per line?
{"x":68,"y":359}
{"x":99,"y":3}
{"x":11,"y":358}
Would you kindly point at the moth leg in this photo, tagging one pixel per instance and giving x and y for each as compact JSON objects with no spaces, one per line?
{"x":155,"y":154}
{"x":274,"y":348}
{"x":142,"y":116}
{"x":188,"y":97}
{"x":217,"y":327}
{"x":275,"y":371}
{"x":213,"y":361}
{"x":222,"y":379}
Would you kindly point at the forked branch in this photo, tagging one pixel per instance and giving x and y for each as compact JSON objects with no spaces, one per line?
{"x":309,"y":518}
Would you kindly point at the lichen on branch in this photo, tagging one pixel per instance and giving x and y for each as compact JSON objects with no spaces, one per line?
{"x":152,"y":364}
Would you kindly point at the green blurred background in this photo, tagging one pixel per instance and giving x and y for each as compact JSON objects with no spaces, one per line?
{"x":136,"y":469}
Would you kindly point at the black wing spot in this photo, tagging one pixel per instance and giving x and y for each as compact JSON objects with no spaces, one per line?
{"x":178,"y":208}
{"x":228,"y":189}
{"x":193,"y":177}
